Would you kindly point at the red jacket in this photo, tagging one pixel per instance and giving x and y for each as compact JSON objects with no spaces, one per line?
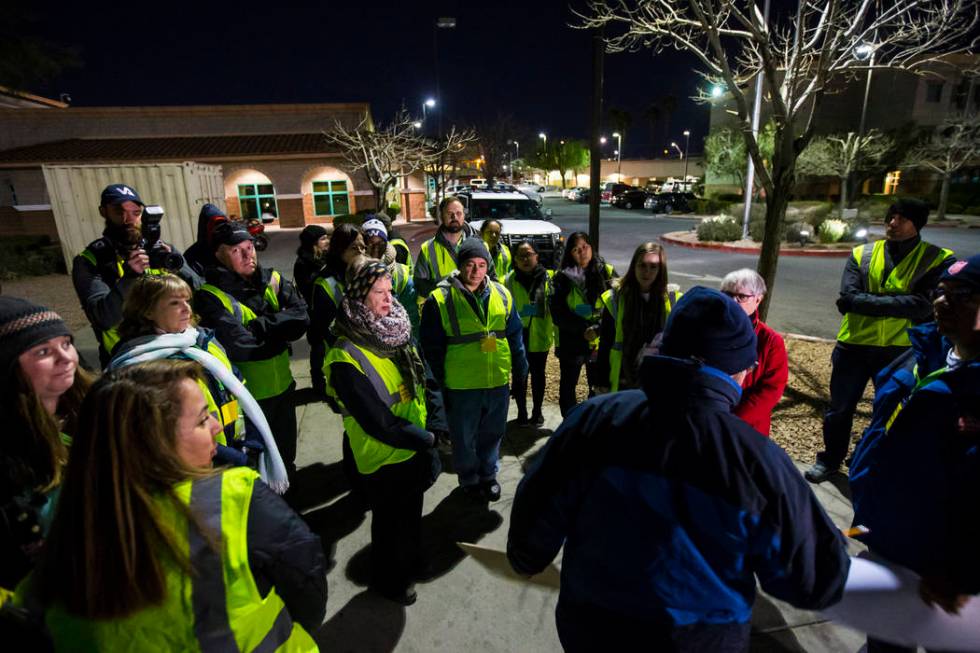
{"x":763,"y":387}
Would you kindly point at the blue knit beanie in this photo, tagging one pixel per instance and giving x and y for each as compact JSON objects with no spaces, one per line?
{"x":710,"y":327}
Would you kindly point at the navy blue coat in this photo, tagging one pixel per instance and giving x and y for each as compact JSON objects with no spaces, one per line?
{"x":669,"y":508}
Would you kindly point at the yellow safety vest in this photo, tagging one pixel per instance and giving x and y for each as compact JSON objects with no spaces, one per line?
{"x":216,"y":608}
{"x":610,"y":301}
{"x":271,"y":376}
{"x":478,"y":354}
{"x":399,"y":243}
{"x":226,"y":413}
{"x":437,"y":259}
{"x":888,"y":331}
{"x":541,"y":332}
{"x":110,"y":337}
{"x":502,"y":262}
{"x":333,"y":287}
{"x":370,"y":454}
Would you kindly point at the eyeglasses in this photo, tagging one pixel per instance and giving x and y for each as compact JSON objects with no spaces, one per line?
{"x":741,"y":298}
{"x":959,"y":295}
{"x":527,"y":256}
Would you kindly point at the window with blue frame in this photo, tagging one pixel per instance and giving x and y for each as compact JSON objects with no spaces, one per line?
{"x":257,"y":200}
{"x":330,"y":198}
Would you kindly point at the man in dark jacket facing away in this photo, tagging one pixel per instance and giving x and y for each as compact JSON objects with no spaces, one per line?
{"x":669,"y":507}
{"x":200,"y":255}
{"x":255,"y":313}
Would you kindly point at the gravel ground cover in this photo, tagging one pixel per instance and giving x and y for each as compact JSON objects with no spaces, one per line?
{"x":796,"y":420}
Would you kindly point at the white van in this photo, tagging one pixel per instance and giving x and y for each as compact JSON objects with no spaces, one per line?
{"x":478,"y":183}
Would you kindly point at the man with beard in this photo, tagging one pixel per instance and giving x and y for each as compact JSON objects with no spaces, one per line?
{"x":255,"y":313}
{"x":105,"y":270}
{"x":437,"y":256}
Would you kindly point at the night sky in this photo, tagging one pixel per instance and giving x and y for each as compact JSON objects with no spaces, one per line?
{"x":520,"y":58}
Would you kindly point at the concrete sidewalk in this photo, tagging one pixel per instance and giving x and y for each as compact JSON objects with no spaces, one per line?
{"x":463,"y":607}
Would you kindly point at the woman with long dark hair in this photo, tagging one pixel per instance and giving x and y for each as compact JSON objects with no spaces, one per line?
{"x":41,"y":391}
{"x":152,"y":549}
{"x":346,"y":244}
{"x":634,"y":312}
{"x":530,"y":285}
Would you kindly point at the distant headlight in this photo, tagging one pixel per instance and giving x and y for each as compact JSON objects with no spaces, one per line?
{"x":861,"y":233}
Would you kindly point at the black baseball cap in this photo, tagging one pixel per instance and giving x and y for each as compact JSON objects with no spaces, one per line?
{"x":119,"y":193}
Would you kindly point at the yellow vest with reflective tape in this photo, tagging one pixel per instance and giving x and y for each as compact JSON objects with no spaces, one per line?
{"x":437,"y":259}
{"x":541,"y":332}
{"x":399,"y":243}
{"x":226,"y":413}
{"x":370,"y":454}
{"x":610,"y":300}
{"x":888,"y":331}
{"x":478,"y":354}
{"x":333,"y":288}
{"x":110,"y":337}
{"x":502,"y":262}
{"x":218,"y":607}
{"x":271,"y":376}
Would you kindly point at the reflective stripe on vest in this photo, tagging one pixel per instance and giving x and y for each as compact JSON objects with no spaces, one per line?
{"x":333,"y":288}
{"x":216,"y":607}
{"x":478,"y":354}
{"x":399,"y":243}
{"x":268,"y":377}
{"x":502,"y":261}
{"x":541,"y":332}
{"x":439,"y":260}
{"x":227,"y":413}
{"x":888,"y":331}
{"x":370,"y":454}
{"x":399,"y":278}
{"x":610,"y":299}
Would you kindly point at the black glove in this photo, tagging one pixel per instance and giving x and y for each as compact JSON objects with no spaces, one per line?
{"x":844,"y":304}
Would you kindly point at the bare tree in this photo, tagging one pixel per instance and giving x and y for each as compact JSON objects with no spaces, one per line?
{"x":449,"y":153}
{"x":954,"y":145}
{"x":798,"y":54}
{"x":841,"y":156}
{"x":390,"y":152}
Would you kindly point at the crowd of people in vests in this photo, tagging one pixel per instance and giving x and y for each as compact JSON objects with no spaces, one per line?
{"x":150,"y":506}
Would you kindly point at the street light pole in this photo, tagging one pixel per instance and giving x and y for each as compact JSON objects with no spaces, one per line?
{"x":544,"y":153}
{"x":619,"y":155}
{"x":756,"y":110}
{"x":687,"y":144}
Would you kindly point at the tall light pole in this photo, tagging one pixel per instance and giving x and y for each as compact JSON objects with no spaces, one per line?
{"x":677,"y":147}
{"x":429,"y":103}
{"x":756,"y":110}
{"x":517,"y":146}
{"x":861,"y":52}
{"x":687,"y":144}
{"x":619,"y":155}
{"x":544,"y":153}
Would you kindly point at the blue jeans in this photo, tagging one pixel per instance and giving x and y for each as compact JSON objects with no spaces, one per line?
{"x":477,"y":422}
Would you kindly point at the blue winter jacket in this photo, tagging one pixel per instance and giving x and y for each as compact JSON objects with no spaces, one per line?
{"x":916,"y":485}
{"x":669,"y":508}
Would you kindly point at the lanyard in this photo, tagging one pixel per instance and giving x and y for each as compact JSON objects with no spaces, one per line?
{"x":919,"y":384}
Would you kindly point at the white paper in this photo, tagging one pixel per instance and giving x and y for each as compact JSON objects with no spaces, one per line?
{"x":882,"y":599}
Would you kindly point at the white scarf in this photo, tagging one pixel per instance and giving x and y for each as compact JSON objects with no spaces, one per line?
{"x":271,"y":468}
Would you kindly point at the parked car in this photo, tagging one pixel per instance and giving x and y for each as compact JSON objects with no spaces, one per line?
{"x":582,"y":195}
{"x":478,"y":183}
{"x":669,"y":203}
{"x":457,"y":188}
{"x":520,"y":219}
{"x":632,"y":198}
{"x":537,"y":188}
{"x":609,"y":189}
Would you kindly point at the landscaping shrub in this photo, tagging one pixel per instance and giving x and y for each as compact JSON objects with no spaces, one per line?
{"x":721,"y":228}
{"x":794,"y":230}
{"x":28,"y":256}
{"x":832,"y":231}
{"x":708,"y":206}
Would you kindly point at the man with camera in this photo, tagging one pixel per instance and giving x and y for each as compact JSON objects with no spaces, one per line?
{"x":130,"y":246}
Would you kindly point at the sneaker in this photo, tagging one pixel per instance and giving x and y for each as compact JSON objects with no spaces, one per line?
{"x":820,"y":472}
{"x":491,"y":490}
{"x":522,"y":419}
{"x":537,"y":418}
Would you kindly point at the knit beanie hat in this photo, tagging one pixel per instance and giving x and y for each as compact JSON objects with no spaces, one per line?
{"x":24,"y":324}
{"x":374,"y":227}
{"x":471,"y":248}
{"x":710,"y":327}
{"x":359,"y":283}
{"x":311,"y":234}
{"x":916,"y":211}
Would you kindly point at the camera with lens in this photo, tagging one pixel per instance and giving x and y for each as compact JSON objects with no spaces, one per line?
{"x":160,"y":257}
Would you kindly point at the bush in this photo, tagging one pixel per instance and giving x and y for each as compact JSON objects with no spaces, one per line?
{"x":972,"y":210}
{"x":720,"y":229}
{"x":729,"y":197}
{"x":832,"y":231}
{"x":795,"y":230}
{"x":708,"y":206}
{"x":28,"y":256}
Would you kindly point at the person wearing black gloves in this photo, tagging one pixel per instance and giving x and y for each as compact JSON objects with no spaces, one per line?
{"x":255,"y":313}
{"x":392,"y":416}
{"x":885,"y":290}
{"x":105,"y":270}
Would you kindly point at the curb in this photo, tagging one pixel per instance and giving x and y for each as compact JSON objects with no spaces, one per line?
{"x":805,"y":338}
{"x":672,"y":239}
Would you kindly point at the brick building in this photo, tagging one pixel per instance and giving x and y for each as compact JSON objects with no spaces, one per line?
{"x":275,"y":160}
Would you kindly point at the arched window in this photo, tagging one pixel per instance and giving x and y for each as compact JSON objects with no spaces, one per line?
{"x":258,"y":201}
{"x":330,"y":197}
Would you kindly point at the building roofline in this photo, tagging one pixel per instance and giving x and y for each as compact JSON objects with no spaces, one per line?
{"x":30,"y":97}
{"x":211,"y":108}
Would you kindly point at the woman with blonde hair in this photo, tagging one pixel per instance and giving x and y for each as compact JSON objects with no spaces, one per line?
{"x":41,"y":390}
{"x":158,"y":323}
{"x":151,"y":549}
{"x":634,"y":312}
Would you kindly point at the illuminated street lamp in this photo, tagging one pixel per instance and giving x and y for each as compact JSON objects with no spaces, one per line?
{"x":602,"y":139}
{"x":417,"y":124}
{"x":678,"y":148}
{"x":619,"y":155}
{"x":687,"y":143}
{"x":716,"y":91}
{"x":429,"y":103}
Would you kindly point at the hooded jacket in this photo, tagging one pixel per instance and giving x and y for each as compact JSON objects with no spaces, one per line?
{"x":670,"y":508}
{"x":199,"y":255}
